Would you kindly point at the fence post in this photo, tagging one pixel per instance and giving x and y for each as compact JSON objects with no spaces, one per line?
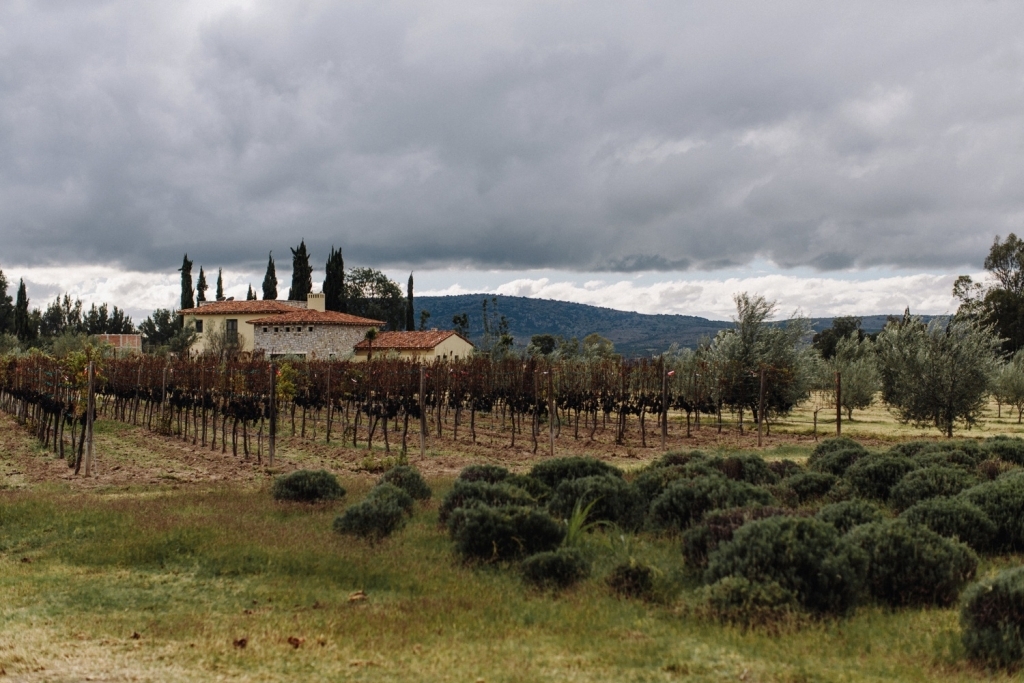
{"x":839,"y":404}
{"x":423,"y":414}
{"x":90,"y":406}
{"x":273,"y":412}
{"x":328,"y":401}
{"x":760,"y":410}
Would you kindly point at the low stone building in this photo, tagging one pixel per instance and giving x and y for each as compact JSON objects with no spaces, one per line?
{"x":310,"y":333}
{"x":222,"y":324}
{"x":425,"y":345}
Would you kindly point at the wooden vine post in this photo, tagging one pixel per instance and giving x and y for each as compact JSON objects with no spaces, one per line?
{"x":839,"y":404}
{"x":90,"y":405}
{"x":760,"y":410}
{"x":664,"y":405}
{"x":329,"y":403}
{"x":423,"y":413}
{"x":551,"y":410}
{"x":273,"y":412}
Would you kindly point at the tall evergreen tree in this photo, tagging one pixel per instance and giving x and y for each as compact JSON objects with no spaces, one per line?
{"x":201,"y":286}
{"x":220,"y":284}
{"x":251,"y":295}
{"x":410,"y":314}
{"x":187,"y":300}
{"x":334,"y":283}
{"x":22,"y":324}
{"x":302,"y":274}
{"x":6,"y":307}
{"x":270,"y":280}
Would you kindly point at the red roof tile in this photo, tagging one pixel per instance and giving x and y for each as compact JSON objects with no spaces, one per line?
{"x":241,"y":307}
{"x":311,"y":317}
{"x":410,"y":340}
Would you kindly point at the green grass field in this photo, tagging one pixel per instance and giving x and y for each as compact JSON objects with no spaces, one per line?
{"x":157,"y":578}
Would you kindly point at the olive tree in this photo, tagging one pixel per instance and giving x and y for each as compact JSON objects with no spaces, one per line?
{"x":938,"y":374}
{"x":1009,"y":384}
{"x":855,"y":363}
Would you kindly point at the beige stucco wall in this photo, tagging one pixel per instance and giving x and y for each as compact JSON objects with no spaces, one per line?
{"x":217,"y":321}
{"x":324,"y":341}
{"x":452,"y":347}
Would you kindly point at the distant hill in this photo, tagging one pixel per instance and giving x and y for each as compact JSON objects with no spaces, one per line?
{"x":634,"y":334}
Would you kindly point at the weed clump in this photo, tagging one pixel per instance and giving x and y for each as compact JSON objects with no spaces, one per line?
{"x":307,"y":486}
{"x":492,"y":534}
{"x":848,"y":514}
{"x":686,"y":501}
{"x":992,"y":619}
{"x":556,"y":569}
{"x":409,"y":480}
{"x":804,"y":557}
{"x":632,"y":580}
{"x":954,"y":518}
{"x":913,"y":565}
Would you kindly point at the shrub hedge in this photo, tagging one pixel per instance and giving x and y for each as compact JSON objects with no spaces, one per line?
{"x":929,"y":482}
{"x":835,"y":455}
{"x":409,"y":480}
{"x":848,"y":514}
{"x":992,"y":619}
{"x":717,"y":527}
{"x":910,"y":564}
{"x":389,"y":493}
{"x":954,"y":518}
{"x":555,"y":568}
{"x":553,"y":472}
{"x":738,"y":600}
{"x":874,"y":476}
{"x":748,"y":467}
{"x":685,"y":502}
{"x":500,"y":534}
{"x":805,"y":557}
{"x":1003,"y":501}
{"x":632,"y":580}
{"x":463,"y":493}
{"x":1006,"y":448}
{"x":809,"y":485}
{"x":492,"y":474}
{"x":307,"y":486}
{"x":374,"y":518}
{"x":614,"y":500}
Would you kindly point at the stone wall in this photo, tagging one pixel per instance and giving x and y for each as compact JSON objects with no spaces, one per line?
{"x":324,"y":341}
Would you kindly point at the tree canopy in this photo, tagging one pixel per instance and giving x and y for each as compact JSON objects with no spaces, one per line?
{"x":302,"y":274}
{"x":270,"y":280}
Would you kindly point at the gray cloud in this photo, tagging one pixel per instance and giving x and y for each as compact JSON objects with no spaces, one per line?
{"x":660,"y":135}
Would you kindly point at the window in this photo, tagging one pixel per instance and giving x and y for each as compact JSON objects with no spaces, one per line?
{"x":264,"y":329}
{"x":231,"y":331}
{"x":199,"y":326}
{"x":287,"y":329}
{"x":311,"y":329}
{"x":277,"y":329}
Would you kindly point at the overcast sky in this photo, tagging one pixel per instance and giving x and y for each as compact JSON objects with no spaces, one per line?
{"x":841,"y":157}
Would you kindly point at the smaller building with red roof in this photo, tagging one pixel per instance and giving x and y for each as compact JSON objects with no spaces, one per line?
{"x":310,"y":333}
{"x":424,"y":345}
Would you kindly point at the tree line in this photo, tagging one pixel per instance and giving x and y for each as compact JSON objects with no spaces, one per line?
{"x":61,"y":327}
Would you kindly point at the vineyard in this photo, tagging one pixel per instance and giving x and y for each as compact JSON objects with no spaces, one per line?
{"x":243,"y":404}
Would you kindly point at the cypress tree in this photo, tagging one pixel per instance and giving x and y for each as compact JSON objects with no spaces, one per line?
{"x":201,"y":286}
{"x":6,"y":307}
{"x":187,"y":300}
{"x":251,"y":295}
{"x":410,"y":316}
{"x":22,"y":326}
{"x":270,"y":280}
{"x":334,"y":283}
{"x":302,"y":274}
{"x":220,"y":284}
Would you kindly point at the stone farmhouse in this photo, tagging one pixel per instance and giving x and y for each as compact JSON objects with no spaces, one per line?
{"x":426,"y":345}
{"x":301,"y":328}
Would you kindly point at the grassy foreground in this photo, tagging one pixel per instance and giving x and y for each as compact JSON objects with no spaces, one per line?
{"x":166,"y":577}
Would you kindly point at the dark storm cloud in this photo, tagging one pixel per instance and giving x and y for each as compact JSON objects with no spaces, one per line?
{"x":582,"y":136}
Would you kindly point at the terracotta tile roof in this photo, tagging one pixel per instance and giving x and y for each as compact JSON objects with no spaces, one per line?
{"x":250,"y":307}
{"x":410,"y":340}
{"x":309,"y":317}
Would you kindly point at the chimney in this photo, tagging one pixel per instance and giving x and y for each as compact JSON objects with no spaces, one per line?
{"x":316,"y":302}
